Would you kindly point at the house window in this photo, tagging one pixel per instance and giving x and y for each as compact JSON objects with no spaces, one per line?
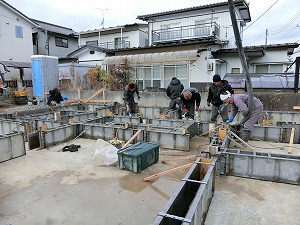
{"x":19,"y":32}
{"x":92,"y":43}
{"x":61,"y":42}
{"x":273,"y":68}
{"x":161,"y":76}
{"x":235,"y":70}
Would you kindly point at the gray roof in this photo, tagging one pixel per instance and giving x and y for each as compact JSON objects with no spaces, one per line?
{"x":148,"y":16}
{"x":85,"y":48}
{"x":16,"y":64}
{"x":54,"y":28}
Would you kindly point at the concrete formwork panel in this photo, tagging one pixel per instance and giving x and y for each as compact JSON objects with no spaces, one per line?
{"x":126,"y":119}
{"x":108,"y":132}
{"x":205,"y":115}
{"x":190,"y":202}
{"x":267,"y":133}
{"x":8,"y":126}
{"x":57,"y":135}
{"x":169,"y":139}
{"x":263,"y":166}
{"x":151,"y":112}
{"x":286,"y":134}
{"x":12,"y":146}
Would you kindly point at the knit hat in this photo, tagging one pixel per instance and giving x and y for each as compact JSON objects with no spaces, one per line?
{"x":216,"y":78}
{"x":174,"y":78}
{"x":224,"y":96}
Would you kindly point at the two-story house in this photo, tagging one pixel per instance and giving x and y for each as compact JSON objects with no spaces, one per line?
{"x":181,"y":42}
{"x":53,"y":40}
{"x":15,"y":42}
{"x":195,"y":43}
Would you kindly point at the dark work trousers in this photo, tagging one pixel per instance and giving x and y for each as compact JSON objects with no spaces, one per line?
{"x":132,"y":106}
{"x":174,"y":102}
{"x":215,"y":113}
{"x":190,"y":106}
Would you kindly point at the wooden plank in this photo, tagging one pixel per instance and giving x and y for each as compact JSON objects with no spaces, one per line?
{"x":78,"y":94}
{"x":296,"y":107}
{"x":168,"y":171}
{"x":179,"y":158}
{"x":291,"y":141}
{"x":132,"y":138}
{"x":204,"y":166}
{"x":94,"y":95}
{"x":241,"y":140}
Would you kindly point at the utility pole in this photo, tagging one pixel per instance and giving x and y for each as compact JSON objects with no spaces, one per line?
{"x":102,"y":20}
{"x":266,"y":42}
{"x":240,"y":48}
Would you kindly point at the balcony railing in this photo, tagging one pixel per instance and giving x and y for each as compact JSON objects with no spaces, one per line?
{"x":197,"y":31}
{"x":115,"y":45}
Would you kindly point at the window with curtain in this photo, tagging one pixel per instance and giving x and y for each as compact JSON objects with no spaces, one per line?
{"x":19,"y":32}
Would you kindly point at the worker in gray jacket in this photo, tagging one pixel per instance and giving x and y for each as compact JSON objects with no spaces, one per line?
{"x":190,"y":97}
{"x":240,"y":103}
{"x":173,"y":91}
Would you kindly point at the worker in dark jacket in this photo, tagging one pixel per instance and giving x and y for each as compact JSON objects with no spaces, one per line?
{"x":217,"y":87}
{"x":173,"y":91}
{"x":240,"y":104}
{"x":55,"y":97}
{"x":190,"y":97}
{"x":129,"y":91}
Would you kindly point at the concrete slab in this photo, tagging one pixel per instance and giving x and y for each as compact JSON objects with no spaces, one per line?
{"x":51,"y":187}
{"x":245,"y":201}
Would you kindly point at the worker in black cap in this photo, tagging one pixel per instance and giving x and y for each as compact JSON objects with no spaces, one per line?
{"x":217,"y":87}
{"x":173,"y":91}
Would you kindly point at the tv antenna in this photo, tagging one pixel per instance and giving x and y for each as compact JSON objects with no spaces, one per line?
{"x":102,"y":20}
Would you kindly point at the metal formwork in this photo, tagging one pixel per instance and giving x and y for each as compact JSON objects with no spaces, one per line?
{"x":49,"y":123}
{"x":169,"y":139}
{"x":150,"y":112}
{"x":108,"y":132}
{"x":8,"y":126}
{"x":126,"y":119}
{"x":262,"y":166}
{"x":267,"y":133}
{"x":57,"y":135}
{"x":190,"y":202}
{"x":12,"y":146}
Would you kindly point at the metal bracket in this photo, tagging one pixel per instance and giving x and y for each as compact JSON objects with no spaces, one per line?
{"x":195,"y":181}
{"x":175,"y":217}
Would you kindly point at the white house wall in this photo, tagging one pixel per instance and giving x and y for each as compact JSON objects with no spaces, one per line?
{"x":132,"y":36}
{"x":13,"y":48}
{"x":89,"y":59}
{"x":198,"y":70}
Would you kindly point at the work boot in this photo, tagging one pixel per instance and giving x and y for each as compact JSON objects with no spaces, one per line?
{"x":246,"y":135}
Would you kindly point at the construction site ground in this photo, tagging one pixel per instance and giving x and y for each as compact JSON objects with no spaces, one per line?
{"x":48,"y":186}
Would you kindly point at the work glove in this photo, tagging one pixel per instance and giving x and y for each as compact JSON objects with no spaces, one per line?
{"x":65,"y":98}
{"x":230,"y":119}
{"x":197,"y":108}
{"x":184,"y":110}
{"x":208,"y":104}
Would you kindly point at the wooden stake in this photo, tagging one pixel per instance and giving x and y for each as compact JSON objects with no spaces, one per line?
{"x":167,"y":172}
{"x":132,"y":138}
{"x":291,"y":141}
{"x":78,"y":93}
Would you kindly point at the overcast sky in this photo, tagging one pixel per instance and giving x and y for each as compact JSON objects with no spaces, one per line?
{"x":282,"y":20}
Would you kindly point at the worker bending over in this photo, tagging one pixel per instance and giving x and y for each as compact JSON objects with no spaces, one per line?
{"x":190,"y":97}
{"x":240,"y":103}
{"x":129,"y":91}
{"x":55,"y":97}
